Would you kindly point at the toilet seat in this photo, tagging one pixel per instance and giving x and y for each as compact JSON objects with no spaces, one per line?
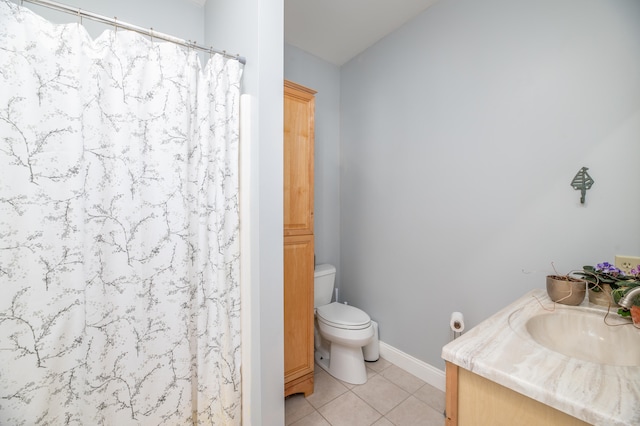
{"x":343,"y":316}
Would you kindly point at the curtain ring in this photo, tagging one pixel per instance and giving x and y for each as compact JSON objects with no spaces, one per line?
{"x":79,"y":16}
{"x":115,"y":23}
{"x":151,"y":34}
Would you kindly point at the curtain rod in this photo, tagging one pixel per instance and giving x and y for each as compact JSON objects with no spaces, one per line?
{"x":119,"y":24}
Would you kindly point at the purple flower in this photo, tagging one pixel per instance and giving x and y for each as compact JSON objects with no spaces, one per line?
{"x":608,"y":268}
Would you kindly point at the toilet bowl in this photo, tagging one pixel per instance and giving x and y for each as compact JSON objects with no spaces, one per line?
{"x":341,"y":332}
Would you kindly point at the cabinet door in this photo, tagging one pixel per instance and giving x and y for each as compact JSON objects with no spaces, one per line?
{"x":299,"y":108}
{"x":298,"y":306}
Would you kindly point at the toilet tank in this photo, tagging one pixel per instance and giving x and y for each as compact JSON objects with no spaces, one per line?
{"x":323,"y":280}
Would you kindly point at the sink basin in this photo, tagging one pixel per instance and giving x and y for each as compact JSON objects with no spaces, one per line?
{"x":584,"y":335}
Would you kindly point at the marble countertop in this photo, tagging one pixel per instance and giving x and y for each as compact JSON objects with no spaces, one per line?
{"x":500,"y":350}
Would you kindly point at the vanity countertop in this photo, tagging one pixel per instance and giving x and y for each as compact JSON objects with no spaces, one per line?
{"x":500,"y":350}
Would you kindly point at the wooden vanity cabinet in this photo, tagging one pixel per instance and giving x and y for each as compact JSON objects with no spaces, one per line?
{"x":298,"y":308}
{"x":299,"y":110}
{"x":472,"y":400}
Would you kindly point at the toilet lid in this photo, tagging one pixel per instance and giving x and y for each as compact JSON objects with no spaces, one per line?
{"x":343,"y":316}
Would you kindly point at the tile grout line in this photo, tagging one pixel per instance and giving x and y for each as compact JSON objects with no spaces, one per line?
{"x":349,"y":388}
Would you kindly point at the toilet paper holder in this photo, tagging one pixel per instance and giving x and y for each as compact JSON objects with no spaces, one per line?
{"x":456,"y":323}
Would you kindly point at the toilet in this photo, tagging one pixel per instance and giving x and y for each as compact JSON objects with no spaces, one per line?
{"x":341,"y":331}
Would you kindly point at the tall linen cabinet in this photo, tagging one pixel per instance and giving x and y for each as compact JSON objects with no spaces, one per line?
{"x":299,"y":110}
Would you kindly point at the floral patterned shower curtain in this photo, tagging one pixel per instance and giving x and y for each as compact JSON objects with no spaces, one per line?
{"x":119,"y":251}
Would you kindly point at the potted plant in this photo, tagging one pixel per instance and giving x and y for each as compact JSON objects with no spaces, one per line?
{"x":601,"y":280}
{"x":566,"y":289}
{"x":624,"y":286}
{"x":608,"y":284}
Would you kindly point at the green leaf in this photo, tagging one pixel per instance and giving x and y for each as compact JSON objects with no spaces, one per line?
{"x":624,"y":313}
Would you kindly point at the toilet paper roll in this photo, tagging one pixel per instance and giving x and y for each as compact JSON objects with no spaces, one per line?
{"x":457,"y":322}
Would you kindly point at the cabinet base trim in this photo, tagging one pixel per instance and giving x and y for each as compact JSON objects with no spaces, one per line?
{"x":302,"y":384}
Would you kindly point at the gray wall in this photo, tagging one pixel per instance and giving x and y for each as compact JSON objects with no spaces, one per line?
{"x":460,"y":134}
{"x":310,"y":71}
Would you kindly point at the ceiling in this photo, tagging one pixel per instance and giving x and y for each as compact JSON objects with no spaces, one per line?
{"x":337,"y":30}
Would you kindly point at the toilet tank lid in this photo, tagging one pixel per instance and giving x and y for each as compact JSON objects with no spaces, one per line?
{"x":324,"y":269}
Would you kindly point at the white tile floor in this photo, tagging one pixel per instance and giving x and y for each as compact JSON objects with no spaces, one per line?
{"x":391,"y":396}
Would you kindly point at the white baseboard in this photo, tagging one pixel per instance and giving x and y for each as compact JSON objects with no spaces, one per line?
{"x":430,"y":374}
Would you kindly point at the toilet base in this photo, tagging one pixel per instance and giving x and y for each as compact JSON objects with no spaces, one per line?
{"x":344,"y":363}
{"x":322,"y":361}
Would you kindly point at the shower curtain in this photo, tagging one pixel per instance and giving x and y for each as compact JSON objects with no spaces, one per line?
{"x":119,"y":251}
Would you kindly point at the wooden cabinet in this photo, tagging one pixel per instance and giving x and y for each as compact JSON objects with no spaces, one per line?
{"x":298,"y":310}
{"x":476,"y":401}
{"x":299,"y":109}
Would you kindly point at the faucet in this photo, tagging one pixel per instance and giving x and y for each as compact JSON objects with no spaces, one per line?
{"x":627,"y":300}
